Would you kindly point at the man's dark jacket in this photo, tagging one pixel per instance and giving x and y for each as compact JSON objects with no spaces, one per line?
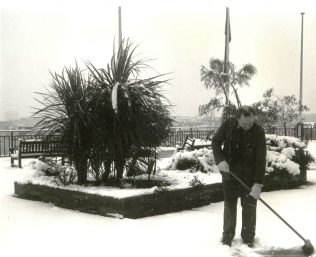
{"x":245,"y":152}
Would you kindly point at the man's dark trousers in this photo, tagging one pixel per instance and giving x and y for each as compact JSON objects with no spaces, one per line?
{"x":232,"y":191}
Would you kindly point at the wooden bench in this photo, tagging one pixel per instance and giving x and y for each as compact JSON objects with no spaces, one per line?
{"x":37,"y":148}
{"x":190,"y":144}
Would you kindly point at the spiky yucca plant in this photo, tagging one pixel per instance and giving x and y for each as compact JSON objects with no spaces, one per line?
{"x":66,"y":110}
{"x":106,"y":117}
{"x":132,"y":112}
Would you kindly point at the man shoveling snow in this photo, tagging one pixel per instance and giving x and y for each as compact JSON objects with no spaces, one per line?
{"x":243,"y":153}
{"x":240,"y":152}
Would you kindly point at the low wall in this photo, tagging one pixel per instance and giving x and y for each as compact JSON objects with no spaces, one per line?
{"x":160,"y":202}
{"x":284,"y":181}
{"x":130,"y":207}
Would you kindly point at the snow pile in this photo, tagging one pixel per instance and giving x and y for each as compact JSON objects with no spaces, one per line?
{"x":185,"y":178}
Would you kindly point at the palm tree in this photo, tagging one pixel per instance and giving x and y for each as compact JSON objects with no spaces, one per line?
{"x":215,"y":78}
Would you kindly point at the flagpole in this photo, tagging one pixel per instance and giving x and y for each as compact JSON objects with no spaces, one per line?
{"x":119,"y":26}
{"x":226,"y":58}
{"x":301,"y":69}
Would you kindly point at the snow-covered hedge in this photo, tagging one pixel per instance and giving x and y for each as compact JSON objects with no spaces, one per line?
{"x":284,"y":154}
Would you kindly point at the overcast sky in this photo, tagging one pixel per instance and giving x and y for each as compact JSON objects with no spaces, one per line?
{"x":38,"y":36}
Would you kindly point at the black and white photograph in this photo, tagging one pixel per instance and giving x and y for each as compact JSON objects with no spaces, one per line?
{"x":157,"y":128}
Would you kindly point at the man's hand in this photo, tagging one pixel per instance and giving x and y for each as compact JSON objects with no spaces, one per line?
{"x":223,"y":166}
{"x":256,"y":190}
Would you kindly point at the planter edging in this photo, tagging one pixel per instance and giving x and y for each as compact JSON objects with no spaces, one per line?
{"x":160,"y":202}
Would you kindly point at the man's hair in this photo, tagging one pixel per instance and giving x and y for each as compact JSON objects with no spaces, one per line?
{"x":246,"y":111}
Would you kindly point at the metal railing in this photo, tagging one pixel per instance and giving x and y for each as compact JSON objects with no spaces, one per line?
{"x":177,"y":137}
{"x":9,"y":138}
{"x":8,"y":141}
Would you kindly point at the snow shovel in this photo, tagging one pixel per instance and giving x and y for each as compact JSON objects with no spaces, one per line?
{"x":307,"y":248}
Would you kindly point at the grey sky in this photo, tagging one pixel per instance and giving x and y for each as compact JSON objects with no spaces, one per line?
{"x":38,"y":36}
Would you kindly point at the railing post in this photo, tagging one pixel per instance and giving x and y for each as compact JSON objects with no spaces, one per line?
{"x":302,"y":131}
{"x":11,"y":148}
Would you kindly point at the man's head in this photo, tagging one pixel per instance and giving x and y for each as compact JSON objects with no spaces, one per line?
{"x":246,"y":117}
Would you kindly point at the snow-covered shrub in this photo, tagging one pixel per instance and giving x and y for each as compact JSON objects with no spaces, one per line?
{"x":276,"y":142}
{"x":280,"y":162}
{"x":196,"y":182}
{"x":139,"y":166}
{"x":160,"y":189}
{"x":183,"y":160}
{"x":40,"y":165}
{"x":184,"y":163}
{"x":63,"y":175}
{"x":286,"y":153}
{"x":197,"y":160}
{"x":303,"y":157}
{"x":48,"y":165}
{"x":66,"y":176}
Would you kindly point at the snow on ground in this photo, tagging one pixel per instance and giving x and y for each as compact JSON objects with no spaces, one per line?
{"x":30,"y":228}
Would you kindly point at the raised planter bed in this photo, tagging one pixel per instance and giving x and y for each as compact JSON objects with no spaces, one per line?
{"x":277,"y":181}
{"x":159,"y":202}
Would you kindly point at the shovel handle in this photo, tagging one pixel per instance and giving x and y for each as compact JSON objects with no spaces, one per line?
{"x":269,"y":207}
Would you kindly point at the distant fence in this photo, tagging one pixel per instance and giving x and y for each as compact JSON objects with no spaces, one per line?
{"x":9,"y":138}
{"x":302,"y":132}
{"x":178,"y":137}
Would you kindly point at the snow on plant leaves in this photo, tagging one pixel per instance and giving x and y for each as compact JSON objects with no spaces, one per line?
{"x":280,"y":161}
{"x":285,"y":141}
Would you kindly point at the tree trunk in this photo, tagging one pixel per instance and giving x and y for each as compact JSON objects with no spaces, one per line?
{"x":119,"y":165}
{"x":82,"y":173}
{"x":107,"y":170}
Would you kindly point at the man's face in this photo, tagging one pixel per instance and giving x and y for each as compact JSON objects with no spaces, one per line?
{"x":246,"y":122}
